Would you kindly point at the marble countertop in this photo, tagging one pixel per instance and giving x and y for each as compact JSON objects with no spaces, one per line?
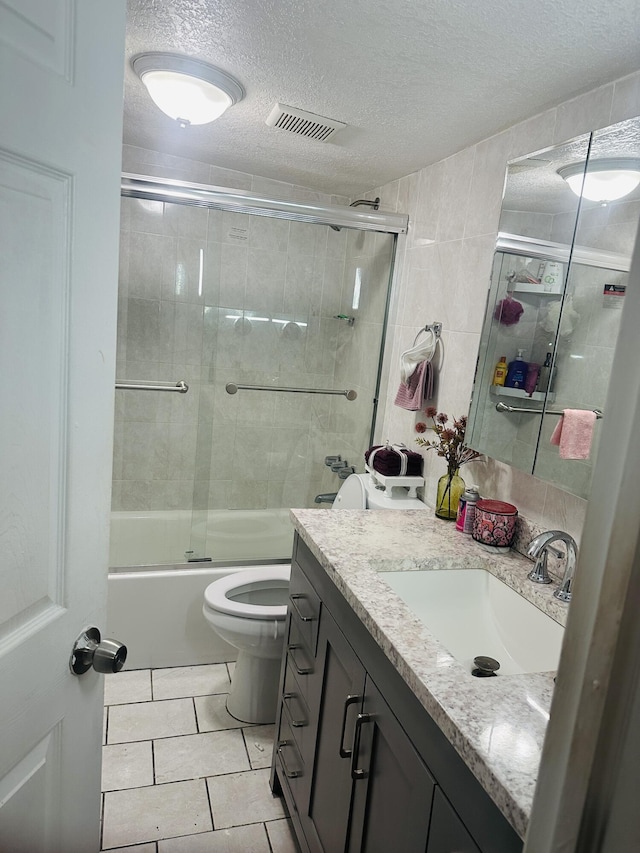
{"x":496,"y":725}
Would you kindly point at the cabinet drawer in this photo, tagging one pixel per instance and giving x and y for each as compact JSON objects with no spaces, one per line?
{"x":304,"y":605}
{"x":291,"y":762}
{"x":299,"y":658}
{"x":298,"y":716}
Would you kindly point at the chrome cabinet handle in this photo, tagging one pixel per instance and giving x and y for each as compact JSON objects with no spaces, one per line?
{"x":350,"y":700}
{"x":301,"y":670}
{"x":360,"y":721}
{"x":290,"y":774}
{"x":294,"y":598}
{"x":296,"y":723}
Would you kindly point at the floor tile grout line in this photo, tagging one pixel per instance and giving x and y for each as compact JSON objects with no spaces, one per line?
{"x":165,"y":699}
{"x":195,"y":713}
{"x":195,"y":779}
{"x":213,"y":824}
{"x":246,"y":748}
{"x":102,"y":801}
{"x":153,"y":761}
{"x":268,"y":838}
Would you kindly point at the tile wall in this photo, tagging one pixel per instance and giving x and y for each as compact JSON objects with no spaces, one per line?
{"x":443,"y":272}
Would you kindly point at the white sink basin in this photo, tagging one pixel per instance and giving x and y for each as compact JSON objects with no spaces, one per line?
{"x":473,"y":613}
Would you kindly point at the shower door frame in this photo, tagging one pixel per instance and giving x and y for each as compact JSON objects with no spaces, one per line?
{"x":171,"y":191}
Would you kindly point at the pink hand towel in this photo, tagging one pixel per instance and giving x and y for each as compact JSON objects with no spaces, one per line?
{"x":573,"y":433}
{"x":411,"y":395}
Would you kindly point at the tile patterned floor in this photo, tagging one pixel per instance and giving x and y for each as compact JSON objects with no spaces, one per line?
{"x":179,"y":774}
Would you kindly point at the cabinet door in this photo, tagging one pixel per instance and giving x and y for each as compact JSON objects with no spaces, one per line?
{"x":448,"y":834}
{"x":393,"y":790}
{"x":339,"y":703}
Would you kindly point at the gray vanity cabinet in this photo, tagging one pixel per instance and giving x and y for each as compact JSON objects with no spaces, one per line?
{"x":338,"y":701}
{"x":393,"y":789}
{"x":448,"y":834}
{"x":362,"y":766}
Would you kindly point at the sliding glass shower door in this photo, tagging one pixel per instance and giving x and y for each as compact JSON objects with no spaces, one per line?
{"x":224,"y":300}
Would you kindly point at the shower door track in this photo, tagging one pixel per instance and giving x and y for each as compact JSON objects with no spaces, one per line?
{"x":221,"y":198}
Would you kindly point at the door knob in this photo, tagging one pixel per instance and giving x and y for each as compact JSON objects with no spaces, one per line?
{"x":104,"y":655}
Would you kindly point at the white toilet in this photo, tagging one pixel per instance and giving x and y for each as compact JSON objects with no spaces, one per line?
{"x":248,"y":609}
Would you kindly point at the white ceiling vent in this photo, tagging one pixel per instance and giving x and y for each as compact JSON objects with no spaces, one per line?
{"x":303,"y":123}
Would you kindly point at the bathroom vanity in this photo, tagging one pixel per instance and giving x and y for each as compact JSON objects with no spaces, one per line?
{"x":384,"y":741}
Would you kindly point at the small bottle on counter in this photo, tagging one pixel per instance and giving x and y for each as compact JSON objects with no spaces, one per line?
{"x":500,"y":372}
{"x":473,"y":496}
{"x":467,"y":509}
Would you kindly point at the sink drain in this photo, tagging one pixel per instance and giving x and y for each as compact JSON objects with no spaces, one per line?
{"x":484,"y":666}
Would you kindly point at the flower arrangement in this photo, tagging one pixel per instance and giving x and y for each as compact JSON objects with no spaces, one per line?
{"x":450,"y":439}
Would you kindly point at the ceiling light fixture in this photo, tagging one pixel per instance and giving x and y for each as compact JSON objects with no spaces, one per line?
{"x":187,"y":90}
{"x":604,"y":180}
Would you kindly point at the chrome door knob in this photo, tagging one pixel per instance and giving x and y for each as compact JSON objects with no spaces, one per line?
{"x":90,"y":651}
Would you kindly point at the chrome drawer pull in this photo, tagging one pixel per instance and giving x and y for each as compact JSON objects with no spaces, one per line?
{"x":290,"y":774}
{"x":295,"y":723}
{"x":301,"y":670}
{"x":294,"y":598}
{"x":356,"y":773}
{"x":350,"y":700}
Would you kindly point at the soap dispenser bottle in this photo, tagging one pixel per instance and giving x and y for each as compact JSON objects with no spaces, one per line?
{"x":517,"y":372}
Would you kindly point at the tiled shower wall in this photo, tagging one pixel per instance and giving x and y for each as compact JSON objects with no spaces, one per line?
{"x":194,"y":284}
{"x":443,"y":272}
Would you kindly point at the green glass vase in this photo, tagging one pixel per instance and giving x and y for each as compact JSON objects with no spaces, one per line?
{"x":450,"y":489}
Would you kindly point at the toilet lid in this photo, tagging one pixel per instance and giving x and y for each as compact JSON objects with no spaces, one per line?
{"x":352,"y":493}
{"x":220,"y":594}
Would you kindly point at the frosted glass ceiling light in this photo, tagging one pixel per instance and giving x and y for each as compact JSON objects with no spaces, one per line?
{"x":605,"y":180}
{"x":187,"y":90}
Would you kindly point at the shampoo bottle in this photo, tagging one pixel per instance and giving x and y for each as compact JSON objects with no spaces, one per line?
{"x":500,"y":372}
{"x":517,"y":372}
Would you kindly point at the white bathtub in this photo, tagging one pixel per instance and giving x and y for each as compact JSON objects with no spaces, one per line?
{"x":154,"y":538}
{"x":155,"y":597}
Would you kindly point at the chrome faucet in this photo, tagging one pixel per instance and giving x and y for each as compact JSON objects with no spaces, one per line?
{"x":539,"y":548}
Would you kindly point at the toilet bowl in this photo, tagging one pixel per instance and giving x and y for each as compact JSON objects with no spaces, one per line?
{"x":248,"y":609}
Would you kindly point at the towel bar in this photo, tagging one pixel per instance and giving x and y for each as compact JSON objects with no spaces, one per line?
{"x":181,"y":387}
{"x":233,"y":388}
{"x":502,"y":407}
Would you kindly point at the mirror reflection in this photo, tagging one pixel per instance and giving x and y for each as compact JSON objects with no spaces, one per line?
{"x":554,"y":305}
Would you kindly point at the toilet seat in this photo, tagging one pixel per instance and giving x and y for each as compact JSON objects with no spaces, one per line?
{"x":216,"y":594}
{"x":352,"y":494}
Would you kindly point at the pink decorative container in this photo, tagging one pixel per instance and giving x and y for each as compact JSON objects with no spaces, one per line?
{"x":495,"y":523}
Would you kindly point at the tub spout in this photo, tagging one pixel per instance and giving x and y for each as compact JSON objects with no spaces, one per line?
{"x":326,"y":498}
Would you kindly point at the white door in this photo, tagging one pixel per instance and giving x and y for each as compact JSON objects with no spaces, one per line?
{"x":61,"y":66}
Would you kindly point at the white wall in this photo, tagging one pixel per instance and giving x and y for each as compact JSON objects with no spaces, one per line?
{"x":443,"y":273}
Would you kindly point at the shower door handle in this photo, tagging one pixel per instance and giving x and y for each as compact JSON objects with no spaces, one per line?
{"x":90,"y":651}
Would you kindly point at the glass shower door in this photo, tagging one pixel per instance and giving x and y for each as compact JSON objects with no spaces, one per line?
{"x":300,"y":306}
{"x":213,"y":297}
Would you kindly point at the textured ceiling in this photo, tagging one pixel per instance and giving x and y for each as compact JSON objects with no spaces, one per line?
{"x":415,"y":80}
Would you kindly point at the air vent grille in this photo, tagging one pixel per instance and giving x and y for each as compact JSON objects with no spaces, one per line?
{"x":303,"y":123}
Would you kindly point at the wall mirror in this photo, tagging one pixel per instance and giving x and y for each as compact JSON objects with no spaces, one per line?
{"x":556,"y":295}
